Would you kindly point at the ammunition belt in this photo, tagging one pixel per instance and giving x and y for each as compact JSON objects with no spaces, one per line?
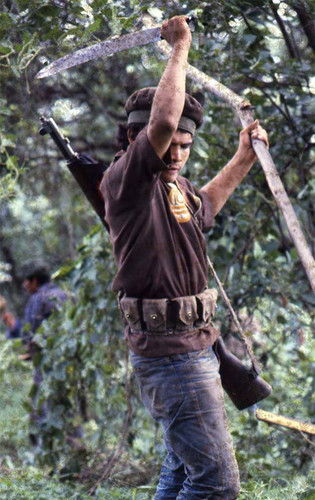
{"x":169,"y":316}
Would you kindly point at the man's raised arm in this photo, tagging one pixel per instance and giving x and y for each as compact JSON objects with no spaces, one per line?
{"x":169,"y":98}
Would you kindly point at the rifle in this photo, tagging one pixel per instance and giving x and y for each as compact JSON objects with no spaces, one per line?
{"x":50,"y":127}
{"x":87,"y":172}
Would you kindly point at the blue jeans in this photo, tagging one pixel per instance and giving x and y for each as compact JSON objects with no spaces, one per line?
{"x":183,"y":392}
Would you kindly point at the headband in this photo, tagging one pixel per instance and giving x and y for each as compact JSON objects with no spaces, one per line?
{"x":143,"y":116}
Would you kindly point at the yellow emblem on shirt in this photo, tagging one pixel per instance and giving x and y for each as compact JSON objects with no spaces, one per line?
{"x":178,"y":204}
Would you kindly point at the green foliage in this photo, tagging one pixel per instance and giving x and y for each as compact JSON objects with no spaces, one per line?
{"x":287,"y":369}
{"x":19,"y":479}
{"x":82,"y":355}
{"x":298,"y":488}
{"x":86,"y":380}
{"x":15,"y":379}
{"x":34,"y":485}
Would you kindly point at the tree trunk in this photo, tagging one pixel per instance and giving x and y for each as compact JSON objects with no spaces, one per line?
{"x":306,"y":21}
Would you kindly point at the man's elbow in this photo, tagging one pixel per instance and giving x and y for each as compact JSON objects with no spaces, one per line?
{"x":216,"y":202}
{"x":164,"y":126}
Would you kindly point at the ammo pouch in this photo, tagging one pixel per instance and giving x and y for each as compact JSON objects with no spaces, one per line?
{"x":154,"y":315}
{"x":243,"y":385}
{"x":130,"y":311}
{"x":195,"y":311}
{"x":166,"y":317}
{"x":207,"y":302}
{"x":148,"y":312}
{"x":187,"y":313}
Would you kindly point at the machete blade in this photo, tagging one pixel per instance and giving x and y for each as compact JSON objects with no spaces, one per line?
{"x":102,"y":49}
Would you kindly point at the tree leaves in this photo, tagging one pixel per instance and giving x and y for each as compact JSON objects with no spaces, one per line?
{"x":43,"y":213}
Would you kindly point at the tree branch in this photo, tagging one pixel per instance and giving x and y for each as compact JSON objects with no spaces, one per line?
{"x":306,"y":21}
{"x":281,"y":25}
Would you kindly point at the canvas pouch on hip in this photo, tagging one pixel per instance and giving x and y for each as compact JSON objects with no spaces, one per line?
{"x":186,"y":313}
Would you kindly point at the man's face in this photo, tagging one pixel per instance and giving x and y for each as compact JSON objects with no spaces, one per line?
{"x":177,"y":155}
{"x":30,"y":285}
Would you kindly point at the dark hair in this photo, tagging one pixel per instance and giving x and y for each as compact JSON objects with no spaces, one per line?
{"x":122,"y":141}
{"x":36,"y":269}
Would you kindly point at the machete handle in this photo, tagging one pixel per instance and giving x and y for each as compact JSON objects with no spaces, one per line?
{"x":192,"y":21}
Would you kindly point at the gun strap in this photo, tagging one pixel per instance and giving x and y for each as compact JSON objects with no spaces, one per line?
{"x":240,"y":330}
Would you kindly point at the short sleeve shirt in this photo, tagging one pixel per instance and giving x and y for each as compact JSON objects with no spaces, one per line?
{"x":156,"y":230}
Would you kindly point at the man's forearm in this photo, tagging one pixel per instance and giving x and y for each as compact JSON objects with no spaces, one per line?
{"x":226,"y":181}
{"x":170,"y":93}
{"x":169,"y":98}
{"x":223,"y":185}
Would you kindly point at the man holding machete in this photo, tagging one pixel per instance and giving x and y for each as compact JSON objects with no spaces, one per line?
{"x":156,"y":220}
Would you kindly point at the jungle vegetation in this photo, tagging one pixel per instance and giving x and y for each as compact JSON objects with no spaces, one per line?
{"x":264,"y":51}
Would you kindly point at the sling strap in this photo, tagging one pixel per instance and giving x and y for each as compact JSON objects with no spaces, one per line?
{"x":248,"y":347}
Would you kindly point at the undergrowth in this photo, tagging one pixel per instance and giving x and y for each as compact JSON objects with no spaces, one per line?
{"x":21,"y":479}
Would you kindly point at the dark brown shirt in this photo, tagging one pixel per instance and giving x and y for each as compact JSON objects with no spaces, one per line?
{"x":156,"y":230}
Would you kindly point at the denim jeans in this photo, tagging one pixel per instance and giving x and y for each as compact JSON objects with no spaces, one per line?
{"x":183,"y":392}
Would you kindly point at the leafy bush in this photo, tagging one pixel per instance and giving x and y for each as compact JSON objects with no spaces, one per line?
{"x":261,"y":50}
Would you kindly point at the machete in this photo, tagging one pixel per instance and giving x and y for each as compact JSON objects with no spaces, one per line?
{"x":106,"y":48}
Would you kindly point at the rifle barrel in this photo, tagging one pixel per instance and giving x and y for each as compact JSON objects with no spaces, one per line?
{"x":50,"y":127}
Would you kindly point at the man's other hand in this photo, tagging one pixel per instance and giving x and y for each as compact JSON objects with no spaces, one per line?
{"x":9,"y":320}
{"x":253,"y":131}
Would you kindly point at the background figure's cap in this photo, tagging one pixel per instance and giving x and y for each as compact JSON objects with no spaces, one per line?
{"x":138,"y":107}
{"x":35,"y":268}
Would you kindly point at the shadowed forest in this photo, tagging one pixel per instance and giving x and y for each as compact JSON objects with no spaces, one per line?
{"x":263,"y":51}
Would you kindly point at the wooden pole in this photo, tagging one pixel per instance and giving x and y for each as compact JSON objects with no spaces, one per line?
{"x":291,"y":423}
{"x":244,"y":111}
{"x":276,"y":187}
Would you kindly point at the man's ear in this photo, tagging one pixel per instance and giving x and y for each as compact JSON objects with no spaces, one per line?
{"x":130,"y":139}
